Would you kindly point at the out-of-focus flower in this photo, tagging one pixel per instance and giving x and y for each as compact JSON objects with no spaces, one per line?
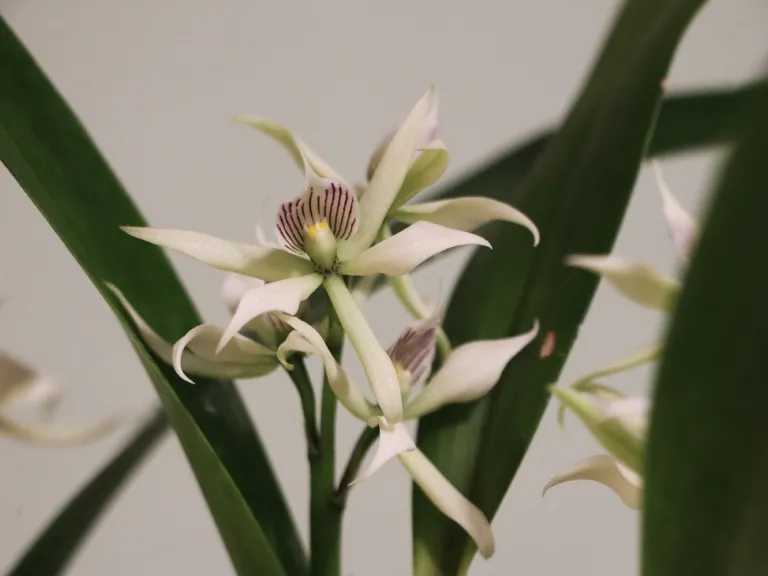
{"x":637,"y":281}
{"x":617,"y":422}
{"x":22,"y":387}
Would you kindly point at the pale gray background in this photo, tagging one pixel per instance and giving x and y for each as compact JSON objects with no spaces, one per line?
{"x":156,"y":82}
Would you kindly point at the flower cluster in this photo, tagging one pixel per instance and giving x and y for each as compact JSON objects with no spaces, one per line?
{"x":620,"y":423}
{"x":329,"y":233}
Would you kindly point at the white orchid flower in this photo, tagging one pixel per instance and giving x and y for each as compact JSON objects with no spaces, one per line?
{"x":468,"y":373}
{"x":639,"y":282}
{"x":23,"y":387}
{"x":326,"y":234}
{"x":427,"y":163}
{"x":620,"y":425}
{"x":195,"y":353}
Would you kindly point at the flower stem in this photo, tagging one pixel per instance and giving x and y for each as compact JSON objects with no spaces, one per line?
{"x":364,"y":442}
{"x":303,"y":384}
{"x":325,"y":514}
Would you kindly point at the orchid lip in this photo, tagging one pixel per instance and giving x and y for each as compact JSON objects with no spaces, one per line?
{"x":312,"y":223}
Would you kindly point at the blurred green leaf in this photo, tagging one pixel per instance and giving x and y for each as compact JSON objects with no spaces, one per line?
{"x":49,"y":153}
{"x":577,"y":194}
{"x":54,"y":548}
{"x":706,"y":495}
{"x":688,"y":121}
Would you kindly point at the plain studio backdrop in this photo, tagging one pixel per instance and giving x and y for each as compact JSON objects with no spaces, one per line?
{"x":156,"y":84}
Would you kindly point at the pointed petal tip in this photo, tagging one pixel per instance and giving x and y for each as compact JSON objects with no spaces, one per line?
{"x":682,"y":227}
{"x":135,"y":231}
{"x":176,"y":354}
{"x":605,"y":470}
{"x":282,"y":352}
{"x":581,"y":260}
{"x":393,"y":441}
{"x":636,"y":281}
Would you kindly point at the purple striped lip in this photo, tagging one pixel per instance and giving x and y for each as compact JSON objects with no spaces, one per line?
{"x":332,"y":202}
{"x":414,"y":350}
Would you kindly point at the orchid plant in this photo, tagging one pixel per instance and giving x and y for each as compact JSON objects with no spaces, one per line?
{"x":472,"y":374}
{"x":327,"y":235}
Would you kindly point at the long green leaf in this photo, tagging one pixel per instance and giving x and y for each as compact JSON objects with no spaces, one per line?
{"x":687,"y":121}
{"x":56,"y":545}
{"x":706,"y":494}
{"x":49,"y":153}
{"x":577,"y":194}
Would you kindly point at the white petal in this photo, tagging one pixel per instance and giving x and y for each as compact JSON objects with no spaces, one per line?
{"x":635,"y":406}
{"x":258,"y":361}
{"x":405,"y":250}
{"x":638,"y":282}
{"x":378,"y":152}
{"x":264,"y":263}
{"x":469,"y":373}
{"x":449,"y":500}
{"x":393,"y":440}
{"x":348,"y":394}
{"x":607,"y":471}
{"x":427,"y":138}
{"x":388,"y":178}
{"x":294,"y":342}
{"x":234,"y":286}
{"x":283,"y":296}
{"x":295,"y":147}
{"x":465,"y":213}
{"x":265,"y":327}
{"x":427,"y":169}
{"x":57,"y":436}
{"x":429,"y":130}
{"x":240,"y":358}
{"x":632,"y":412}
{"x":682,"y":227}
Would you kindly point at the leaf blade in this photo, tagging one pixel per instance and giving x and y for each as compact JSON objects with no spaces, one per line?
{"x":706,"y":504}
{"x":55,"y":546}
{"x":589,"y":170}
{"x":53,"y":158}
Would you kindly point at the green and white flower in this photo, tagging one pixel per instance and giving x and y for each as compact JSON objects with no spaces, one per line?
{"x":468,"y":373}
{"x":326,"y":234}
{"x":620,"y":425}
{"x":639,"y":282}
